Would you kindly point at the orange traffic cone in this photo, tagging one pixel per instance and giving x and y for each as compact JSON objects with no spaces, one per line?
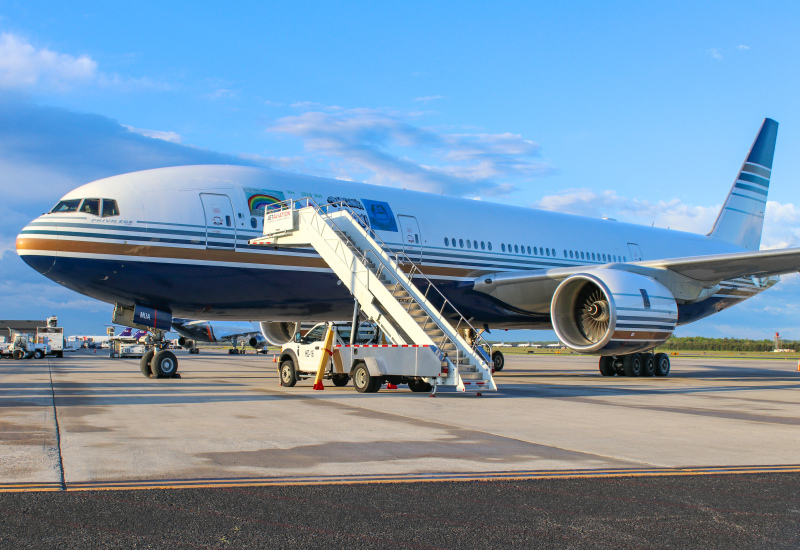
{"x":275,"y":358}
{"x":390,"y":386}
{"x":798,"y":366}
{"x":318,"y":385}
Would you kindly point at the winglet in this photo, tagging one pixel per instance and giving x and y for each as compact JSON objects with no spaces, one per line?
{"x":742,"y":216}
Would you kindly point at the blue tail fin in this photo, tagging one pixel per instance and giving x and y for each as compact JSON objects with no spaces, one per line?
{"x":742,"y":216}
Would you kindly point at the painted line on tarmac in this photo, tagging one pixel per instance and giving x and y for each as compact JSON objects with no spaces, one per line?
{"x":400,"y":478}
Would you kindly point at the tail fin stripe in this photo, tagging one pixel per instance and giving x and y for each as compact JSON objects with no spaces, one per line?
{"x":757,"y":169}
{"x":744,"y":176}
{"x":762,"y":201}
{"x":743,"y":212}
{"x":746,"y":187}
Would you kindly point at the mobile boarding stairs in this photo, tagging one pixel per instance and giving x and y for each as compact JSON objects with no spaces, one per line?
{"x":381,"y":282}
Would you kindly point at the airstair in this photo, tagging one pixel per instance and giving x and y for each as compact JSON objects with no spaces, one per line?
{"x":381,"y":281}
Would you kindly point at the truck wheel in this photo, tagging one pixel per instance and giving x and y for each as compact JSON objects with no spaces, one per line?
{"x":144,"y":364}
{"x":340,"y":380}
{"x":417,"y":385}
{"x":288,"y":374}
{"x":662,"y":364}
{"x":18,"y":354}
{"x":60,"y":354}
{"x":364,"y":382}
{"x":499,"y":360}
{"x":164,"y":364}
{"x":38,"y":354}
{"x":607,"y":366}
{"x":632,"y":364}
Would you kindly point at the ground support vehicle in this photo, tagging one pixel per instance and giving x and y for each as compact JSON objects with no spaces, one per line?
{"x":121,"y":349}
{"x":53,"y":336}
{"x":25,"y":347}
{"x":369,"y":365}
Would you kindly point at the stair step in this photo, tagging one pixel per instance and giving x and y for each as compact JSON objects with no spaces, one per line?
{"x":470,"y":375}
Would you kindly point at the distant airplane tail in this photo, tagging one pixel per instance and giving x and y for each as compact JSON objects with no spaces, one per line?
{"x":742,"y":216}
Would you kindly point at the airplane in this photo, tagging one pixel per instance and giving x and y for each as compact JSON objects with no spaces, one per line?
{"x":175,"y":242}
{"x":129,"y":336}
{"x":192,"y":331}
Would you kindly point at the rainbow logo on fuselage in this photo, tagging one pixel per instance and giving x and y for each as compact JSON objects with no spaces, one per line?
{"x":259,"y":200}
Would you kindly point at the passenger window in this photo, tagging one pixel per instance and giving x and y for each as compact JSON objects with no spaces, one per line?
{"x":91,"y":206}
{"x":228,"y":221}
{"x":446,"y":241}
{"x":582,"y":256}
{"x":604,"y":257}
{"x":461,"y":243}
{"x":529,"y":251}
{"x":475,"y":245}
{"x":490,"y":246}
{"x":570,"y":254}
{"x":454,"y":242}
{"x":469,"y":243}
{"x":70,"y":205}
{"x":253,"y":223}
{"x":503,"y":246}
{"x":547,"y":251}
{"x":516,"y":249}
{"x":483,"y":245}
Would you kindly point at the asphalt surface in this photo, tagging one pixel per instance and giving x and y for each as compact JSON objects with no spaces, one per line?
{"x":720,"y":511}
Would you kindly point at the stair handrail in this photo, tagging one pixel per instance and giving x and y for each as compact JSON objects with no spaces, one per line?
{"x":341,"y":206}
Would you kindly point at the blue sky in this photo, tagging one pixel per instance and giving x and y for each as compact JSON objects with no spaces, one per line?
{"x":639,"y":112}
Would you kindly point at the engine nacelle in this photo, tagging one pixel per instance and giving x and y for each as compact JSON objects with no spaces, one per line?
{"x":257,"y":343}
{"x":185,"y":342}
{"x":612,"y":312}
{"x":278,"y":333}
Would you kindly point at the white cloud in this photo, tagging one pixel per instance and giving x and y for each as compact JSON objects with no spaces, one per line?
{"x":428,"y":98}
{"x":24,"y":66}
{"x":742,"y":47}
{"x":385,"y":147}
{"x":172,"y":137}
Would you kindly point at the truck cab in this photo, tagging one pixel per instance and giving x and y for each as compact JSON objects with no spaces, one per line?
{"x":307,"y":348}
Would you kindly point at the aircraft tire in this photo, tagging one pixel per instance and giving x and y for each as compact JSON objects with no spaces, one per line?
{"x":164,"y":364}
{"x":417,"y":385}
{"x":38,"y":354}
{"x":648,"y":364}
{"x":340,"y":380}
{"x":662,"y":364}
{"x":288,"y":374}
{"x":607,"y":366}
{"x":144,"y":363}
{"x":632,"y":364}
{"x":499,"y":360}
{"x":18,"y":354}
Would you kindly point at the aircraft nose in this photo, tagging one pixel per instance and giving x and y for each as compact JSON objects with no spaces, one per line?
{"x":37,"y":245}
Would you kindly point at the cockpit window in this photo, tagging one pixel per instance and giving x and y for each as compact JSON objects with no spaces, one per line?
{"x":91,"y":206}
{"x":110,"y":208}
{"x":70,"y":205}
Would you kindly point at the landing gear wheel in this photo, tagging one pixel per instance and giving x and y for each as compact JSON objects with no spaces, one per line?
{"x":144,"y":364}
{"x":364,"y":382}
{"x":288,"y":374}
{"x":662,"y":364}
{"x":417,"y":385}
{"x":648,"y":364}
{"x":632,"y":364}
{"x":607,"y":366}
{"x":498,"y":360}
{"x":18,"y":354}
{"x":164,"y":364}
{"x":340,"y":380}
{"x":38,"y":354}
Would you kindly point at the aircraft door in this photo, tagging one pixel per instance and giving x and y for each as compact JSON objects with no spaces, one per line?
{"x":411,"y":236}
{"x":220,"y":222}
{"x":636,"y":252}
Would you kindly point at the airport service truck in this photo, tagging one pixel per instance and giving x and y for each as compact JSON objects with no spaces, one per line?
{"x":367,"y":361}
{"x":24,"y":346}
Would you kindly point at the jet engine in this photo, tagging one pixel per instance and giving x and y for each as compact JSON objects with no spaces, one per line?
{"x":257,"y":343}
{"x":278,"y":333}
{"x":612,"y":312}
{"x":185,"y":342}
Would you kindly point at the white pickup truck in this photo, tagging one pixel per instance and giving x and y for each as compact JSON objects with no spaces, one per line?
{"x":367,"y":362}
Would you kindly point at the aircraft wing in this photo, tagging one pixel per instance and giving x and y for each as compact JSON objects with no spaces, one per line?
{"x":535,"y":287}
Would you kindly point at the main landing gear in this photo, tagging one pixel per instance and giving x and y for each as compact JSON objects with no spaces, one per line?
{"x":158,"y":362}
{"x":635,"y":364}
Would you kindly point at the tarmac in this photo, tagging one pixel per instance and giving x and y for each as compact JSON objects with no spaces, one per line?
{"x":704,"y":447}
